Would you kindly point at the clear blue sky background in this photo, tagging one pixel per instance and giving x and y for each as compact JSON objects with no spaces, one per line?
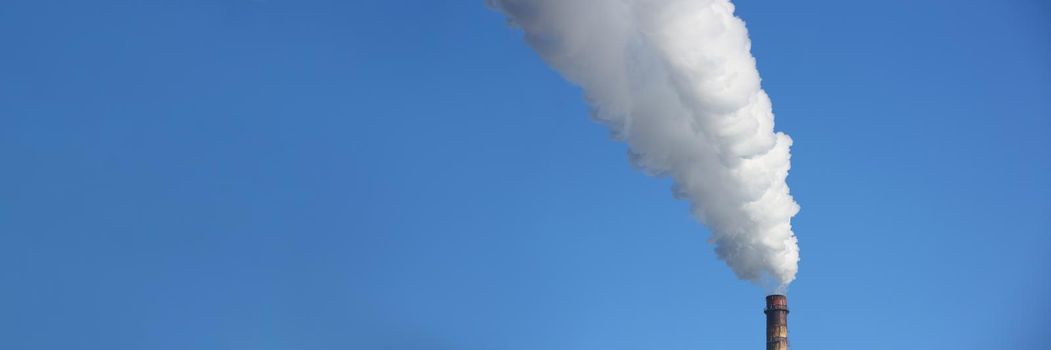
{"x":278,"y":174}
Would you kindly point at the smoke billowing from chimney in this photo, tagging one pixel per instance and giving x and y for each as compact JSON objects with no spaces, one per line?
{"x":676,"y":81}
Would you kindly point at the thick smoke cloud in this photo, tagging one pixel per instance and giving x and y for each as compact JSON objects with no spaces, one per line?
{"x":676,"y":81}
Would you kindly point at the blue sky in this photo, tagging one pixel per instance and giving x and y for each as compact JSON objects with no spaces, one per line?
{"x":280,"y":174}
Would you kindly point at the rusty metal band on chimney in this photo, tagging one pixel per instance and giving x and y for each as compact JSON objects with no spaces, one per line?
{"x":776,"y":322}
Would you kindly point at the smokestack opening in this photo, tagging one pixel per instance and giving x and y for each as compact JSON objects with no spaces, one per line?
{"x":776,"y":322}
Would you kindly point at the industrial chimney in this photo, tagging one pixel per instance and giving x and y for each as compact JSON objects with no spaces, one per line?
{"x":776,"y":322}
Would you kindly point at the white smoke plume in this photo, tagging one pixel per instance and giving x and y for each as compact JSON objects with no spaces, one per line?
{"x":676,"y":81}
